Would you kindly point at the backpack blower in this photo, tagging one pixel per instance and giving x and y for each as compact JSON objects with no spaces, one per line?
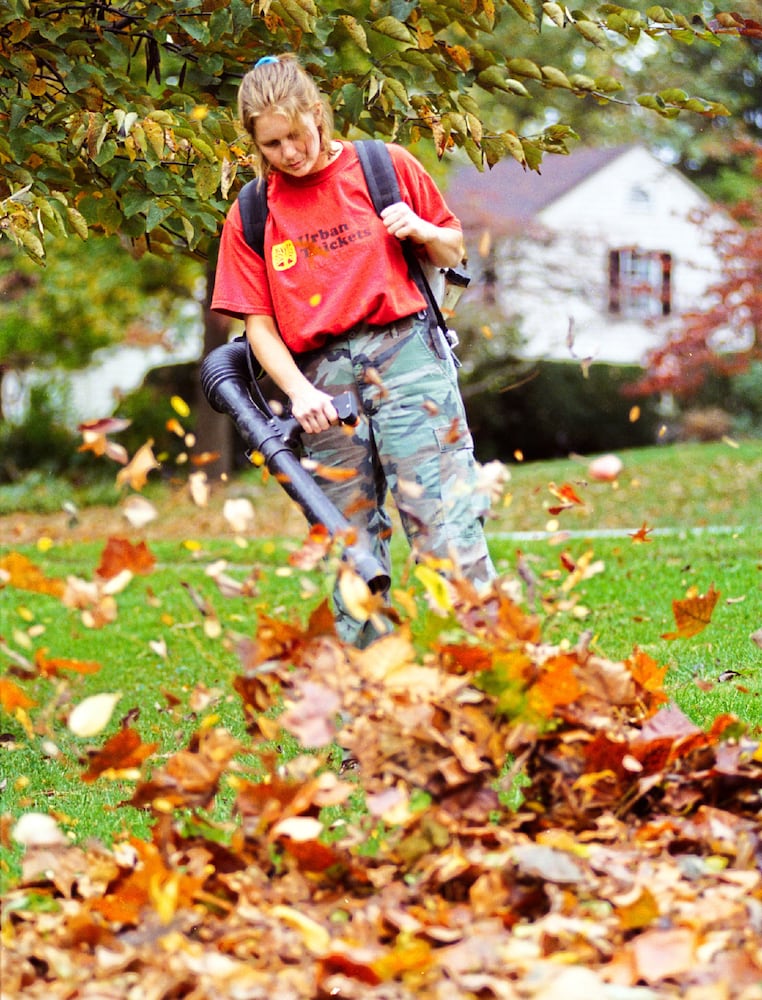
{"x":227,"y":381}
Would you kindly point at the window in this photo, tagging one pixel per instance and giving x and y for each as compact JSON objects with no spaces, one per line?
{"x":640,"y":283}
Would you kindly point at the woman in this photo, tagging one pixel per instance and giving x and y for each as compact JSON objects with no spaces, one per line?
{"x":331,"y":307}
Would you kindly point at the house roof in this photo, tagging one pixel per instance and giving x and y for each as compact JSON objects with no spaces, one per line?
{"x":507,"y":195}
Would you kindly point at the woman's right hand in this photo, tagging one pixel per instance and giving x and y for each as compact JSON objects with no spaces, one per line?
{"x":313,"y":409}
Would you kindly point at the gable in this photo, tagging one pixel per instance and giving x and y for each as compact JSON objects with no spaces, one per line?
{"x":507,"y":198}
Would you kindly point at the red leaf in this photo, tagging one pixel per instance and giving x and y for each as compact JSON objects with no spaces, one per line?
{"x":121,"y":554}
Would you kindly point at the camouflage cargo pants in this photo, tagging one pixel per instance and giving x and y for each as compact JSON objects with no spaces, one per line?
{"x":412,"y":441}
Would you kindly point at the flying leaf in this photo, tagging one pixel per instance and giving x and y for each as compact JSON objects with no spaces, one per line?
{"x":436,"y":587}
{"x":605,"y":468}
{"x":239,"y":513}
{"x":314,"y":549}
{"x":37,"y":829}
{"x":567,"y":495}
{"x":693,"y":613}
{"x":22,"y":573}
{"x":198,"y":486}
{"x":138,"y":511}
{"x":312,"y":718}
{"x":50,"y":666}
{"x":12,"y":697}
{"x":123,"y":751}
{"x":641,"y":535}
{"x":333,"y":475}
{"x":135,"y":473}
{"x":93,"y":714}
{"x":95,"y":438}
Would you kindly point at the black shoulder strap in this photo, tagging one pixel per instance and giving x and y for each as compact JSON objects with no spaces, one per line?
{"x":377,"y":166}
{"x":384,"y":189}
{"x":252,"y":202}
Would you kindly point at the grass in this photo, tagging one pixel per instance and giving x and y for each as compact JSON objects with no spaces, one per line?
{"x":173,"y":649}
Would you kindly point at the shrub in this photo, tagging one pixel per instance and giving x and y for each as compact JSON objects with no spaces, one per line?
{"x":559,"y":409}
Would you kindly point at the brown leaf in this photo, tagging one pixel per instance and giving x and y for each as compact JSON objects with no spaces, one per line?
{"x":124,"y":750}
{"x":135,"y":473}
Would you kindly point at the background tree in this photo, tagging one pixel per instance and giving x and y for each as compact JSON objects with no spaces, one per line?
{"x":724,"y":337}
{"x":88,"y":298}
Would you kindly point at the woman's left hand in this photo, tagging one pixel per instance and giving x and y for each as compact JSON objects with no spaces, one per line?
{"x":401,"y":221}
{"x":444,"y":245}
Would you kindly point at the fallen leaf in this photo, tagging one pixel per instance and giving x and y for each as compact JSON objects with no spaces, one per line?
{"x":121,"y":554}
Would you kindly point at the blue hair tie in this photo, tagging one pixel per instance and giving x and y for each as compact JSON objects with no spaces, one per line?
{"x":265,"y":61}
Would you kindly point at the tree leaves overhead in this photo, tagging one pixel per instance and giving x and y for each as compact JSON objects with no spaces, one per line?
{"x":123,"y":121}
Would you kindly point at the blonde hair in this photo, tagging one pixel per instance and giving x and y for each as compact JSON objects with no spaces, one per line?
{"x":281,"y":85}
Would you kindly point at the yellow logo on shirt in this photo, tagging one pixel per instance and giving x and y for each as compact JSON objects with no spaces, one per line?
{"x":284,"y":256}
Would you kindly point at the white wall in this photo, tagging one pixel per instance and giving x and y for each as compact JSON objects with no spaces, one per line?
{"x":558,"y":280}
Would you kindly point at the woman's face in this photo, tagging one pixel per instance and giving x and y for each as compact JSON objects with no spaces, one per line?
{"x":292,"y":147}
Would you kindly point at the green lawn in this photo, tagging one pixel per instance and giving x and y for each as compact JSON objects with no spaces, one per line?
{"x":172,"y":651}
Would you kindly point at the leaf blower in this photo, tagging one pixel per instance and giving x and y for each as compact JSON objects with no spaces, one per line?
{"x":229,"y":384}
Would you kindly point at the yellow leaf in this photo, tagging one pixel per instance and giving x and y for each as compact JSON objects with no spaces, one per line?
{"x":315,"y":937}
{"x":436,"y":587}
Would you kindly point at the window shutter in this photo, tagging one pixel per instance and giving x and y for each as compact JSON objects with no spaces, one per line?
{"x":614,"y":299}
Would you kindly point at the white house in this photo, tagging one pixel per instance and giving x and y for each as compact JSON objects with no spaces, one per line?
{"x":594,"y":256}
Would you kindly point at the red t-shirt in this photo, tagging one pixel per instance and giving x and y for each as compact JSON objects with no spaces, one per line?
{"x":329,"y":262}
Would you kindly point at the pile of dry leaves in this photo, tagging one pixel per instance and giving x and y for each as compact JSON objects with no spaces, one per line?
{"x":630,"y":870}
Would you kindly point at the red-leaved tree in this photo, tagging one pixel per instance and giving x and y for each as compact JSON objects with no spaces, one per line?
{"x":725,"y":336}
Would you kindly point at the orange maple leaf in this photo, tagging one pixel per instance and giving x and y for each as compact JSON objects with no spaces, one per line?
{"x":557,"y":685}
{"x":120,"y":554}
{"x":49,"y":666}
{"x":693,"y":613}
{"x":641,"y":535}
{"x":12,"y":697}
{"x":567,"y":495}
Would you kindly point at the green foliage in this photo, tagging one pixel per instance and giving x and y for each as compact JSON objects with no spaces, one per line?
{"x":149,"y":409}
{"x":89,"y":297}
{"x":40,"y":441}
{"x":746,"y":393}
{"x":127,"y":125}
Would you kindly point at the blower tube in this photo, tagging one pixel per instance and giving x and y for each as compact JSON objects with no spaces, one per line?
{"x":225,"y":382}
